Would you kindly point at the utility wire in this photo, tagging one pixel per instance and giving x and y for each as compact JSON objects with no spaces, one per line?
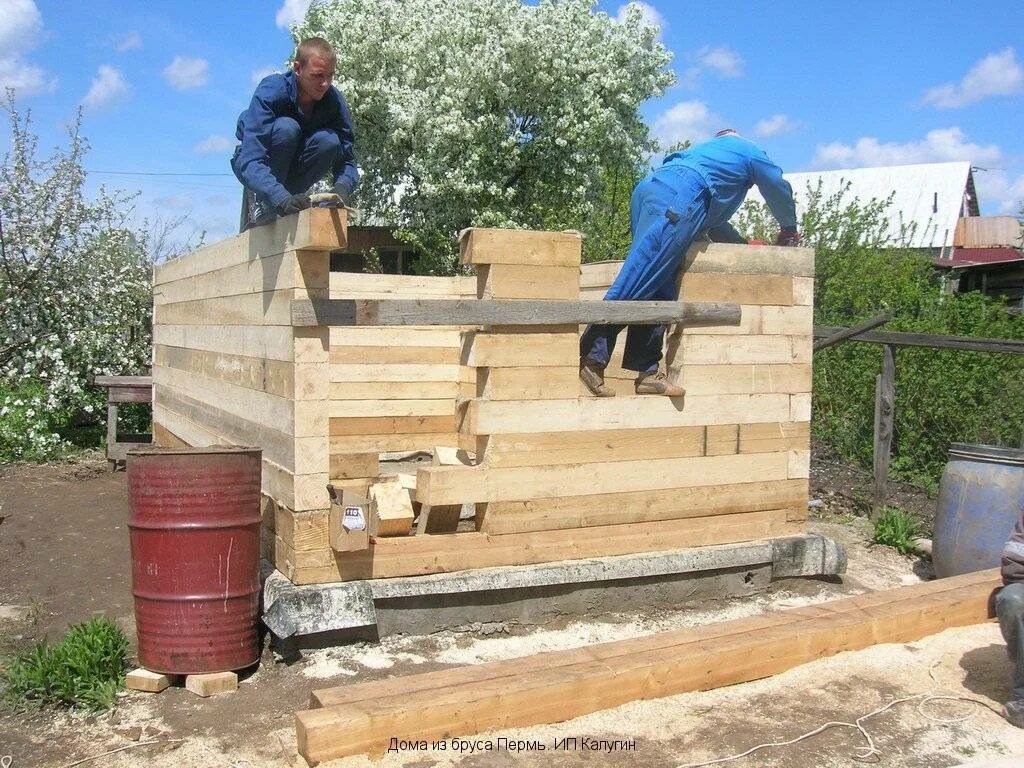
{"x":146,"y":173}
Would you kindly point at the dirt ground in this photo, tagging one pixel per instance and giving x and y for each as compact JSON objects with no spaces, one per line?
{"x":64,"y":558}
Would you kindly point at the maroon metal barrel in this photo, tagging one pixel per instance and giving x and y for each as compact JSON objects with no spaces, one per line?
{"x":195,"y":540}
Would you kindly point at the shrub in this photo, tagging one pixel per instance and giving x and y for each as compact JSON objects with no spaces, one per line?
{"x":942,"y":396}
{"x":84,"y":670}
{"x":897,"y":529}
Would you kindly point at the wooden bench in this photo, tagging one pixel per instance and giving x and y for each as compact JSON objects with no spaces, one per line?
{"x":124,"y":389}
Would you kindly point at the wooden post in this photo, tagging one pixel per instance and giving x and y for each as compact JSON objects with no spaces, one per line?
{"x":885,"y":406}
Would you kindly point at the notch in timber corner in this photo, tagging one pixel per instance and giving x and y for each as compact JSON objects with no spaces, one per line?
{"x":347,"y":312}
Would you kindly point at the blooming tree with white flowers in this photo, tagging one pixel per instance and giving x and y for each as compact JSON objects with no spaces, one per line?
{"x":75,"y":293}
{"x":490,"y":112}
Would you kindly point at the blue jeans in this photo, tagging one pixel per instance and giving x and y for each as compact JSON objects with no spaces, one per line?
{"x":668,"y":210}
{"x":295,"y":160}
{"x":1010,"y":610}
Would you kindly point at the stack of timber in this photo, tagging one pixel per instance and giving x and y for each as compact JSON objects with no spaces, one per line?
{"x":392,"y":389}
{"x":229,"y":368}
{"x":552,"y":687}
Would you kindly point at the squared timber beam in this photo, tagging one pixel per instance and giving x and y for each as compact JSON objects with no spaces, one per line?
{"x":421,"y":312}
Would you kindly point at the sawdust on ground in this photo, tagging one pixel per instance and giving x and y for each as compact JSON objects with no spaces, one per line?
{"x":253,"y":727}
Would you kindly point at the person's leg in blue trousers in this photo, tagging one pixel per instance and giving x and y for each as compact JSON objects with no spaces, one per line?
{"x":1010,"y":610}
{"x":668,"y":211}
{"x":296,"y":162}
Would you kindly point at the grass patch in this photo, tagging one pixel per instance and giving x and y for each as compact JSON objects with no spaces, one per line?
{"x":897,"y":529}
{"x":84,"y":670}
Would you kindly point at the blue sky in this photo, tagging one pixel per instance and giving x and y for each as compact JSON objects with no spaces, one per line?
{"x":820,"y":84}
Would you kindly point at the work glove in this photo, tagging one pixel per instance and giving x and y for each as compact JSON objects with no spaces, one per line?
{"x":788,"y":237}
{"x":294,"y":204}
{"x":345,"y":192}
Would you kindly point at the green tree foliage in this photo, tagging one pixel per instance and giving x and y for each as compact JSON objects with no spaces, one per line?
{"x":491,"y":112}
{"x":75,"y":293}
{"x":942,"y":396}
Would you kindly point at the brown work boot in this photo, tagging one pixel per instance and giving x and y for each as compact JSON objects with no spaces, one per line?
{"x":592,"y":376}
{"x":657,"y":383}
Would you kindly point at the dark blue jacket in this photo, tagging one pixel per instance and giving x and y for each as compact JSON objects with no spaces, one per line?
{"x":277,"y":96}
{"x":729,"y":166}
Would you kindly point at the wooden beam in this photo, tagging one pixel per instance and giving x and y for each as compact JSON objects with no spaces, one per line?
{"x":420,"y":555}
{"x":936,"y":341}
{"x":458,"y":485}
{"x":519,"y":246}
{"x":420,"y":312}
{"x":560,"y":685}
{"x":845,"y":333}
{"x":885,"y":405}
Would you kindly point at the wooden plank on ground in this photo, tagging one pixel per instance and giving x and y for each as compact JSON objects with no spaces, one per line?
{"x":458,"y":485}
{"x":503,"y":517}
{"x":520,"y":246}
{"x":557,"y":686}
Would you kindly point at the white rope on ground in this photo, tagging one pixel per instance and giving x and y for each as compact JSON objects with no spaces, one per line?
{"x":122,"y":749}
{"x":870,"y":752}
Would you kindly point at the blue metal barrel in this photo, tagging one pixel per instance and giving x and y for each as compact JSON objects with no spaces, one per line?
{"x":980,"y":499}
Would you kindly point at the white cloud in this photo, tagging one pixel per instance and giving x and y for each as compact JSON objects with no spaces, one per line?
{"x":26,"y":79}
{"x":107,"y":87}
{"x":686,"y":120}
{"x":720,"y":59}
{"x":214,"y":145}
{"x":291,"y":12}
{"x":648,"y":14}
{"x":20,"y":27}
{"x":184,"y":73}
{"x":939,"y":145}
{"x":998,"y":192}
{"x":998,"y":74}
{"x":259,"y":74}
{"x":130,"y":42}
{"x":776,"y":125}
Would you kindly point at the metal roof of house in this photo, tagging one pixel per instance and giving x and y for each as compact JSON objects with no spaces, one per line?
{"x":927,"y":198}
{"x":965,"y":258}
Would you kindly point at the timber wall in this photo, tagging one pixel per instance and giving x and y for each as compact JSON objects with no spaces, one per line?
{"x":558,"y":474}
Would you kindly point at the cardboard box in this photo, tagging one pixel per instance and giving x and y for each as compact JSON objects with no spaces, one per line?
{"x":350,"y":523}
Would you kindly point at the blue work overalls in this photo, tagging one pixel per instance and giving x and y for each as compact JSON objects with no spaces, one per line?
{"x":693,"y":190}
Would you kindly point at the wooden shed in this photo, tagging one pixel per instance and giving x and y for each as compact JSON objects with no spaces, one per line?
{"x":257,"y":342}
